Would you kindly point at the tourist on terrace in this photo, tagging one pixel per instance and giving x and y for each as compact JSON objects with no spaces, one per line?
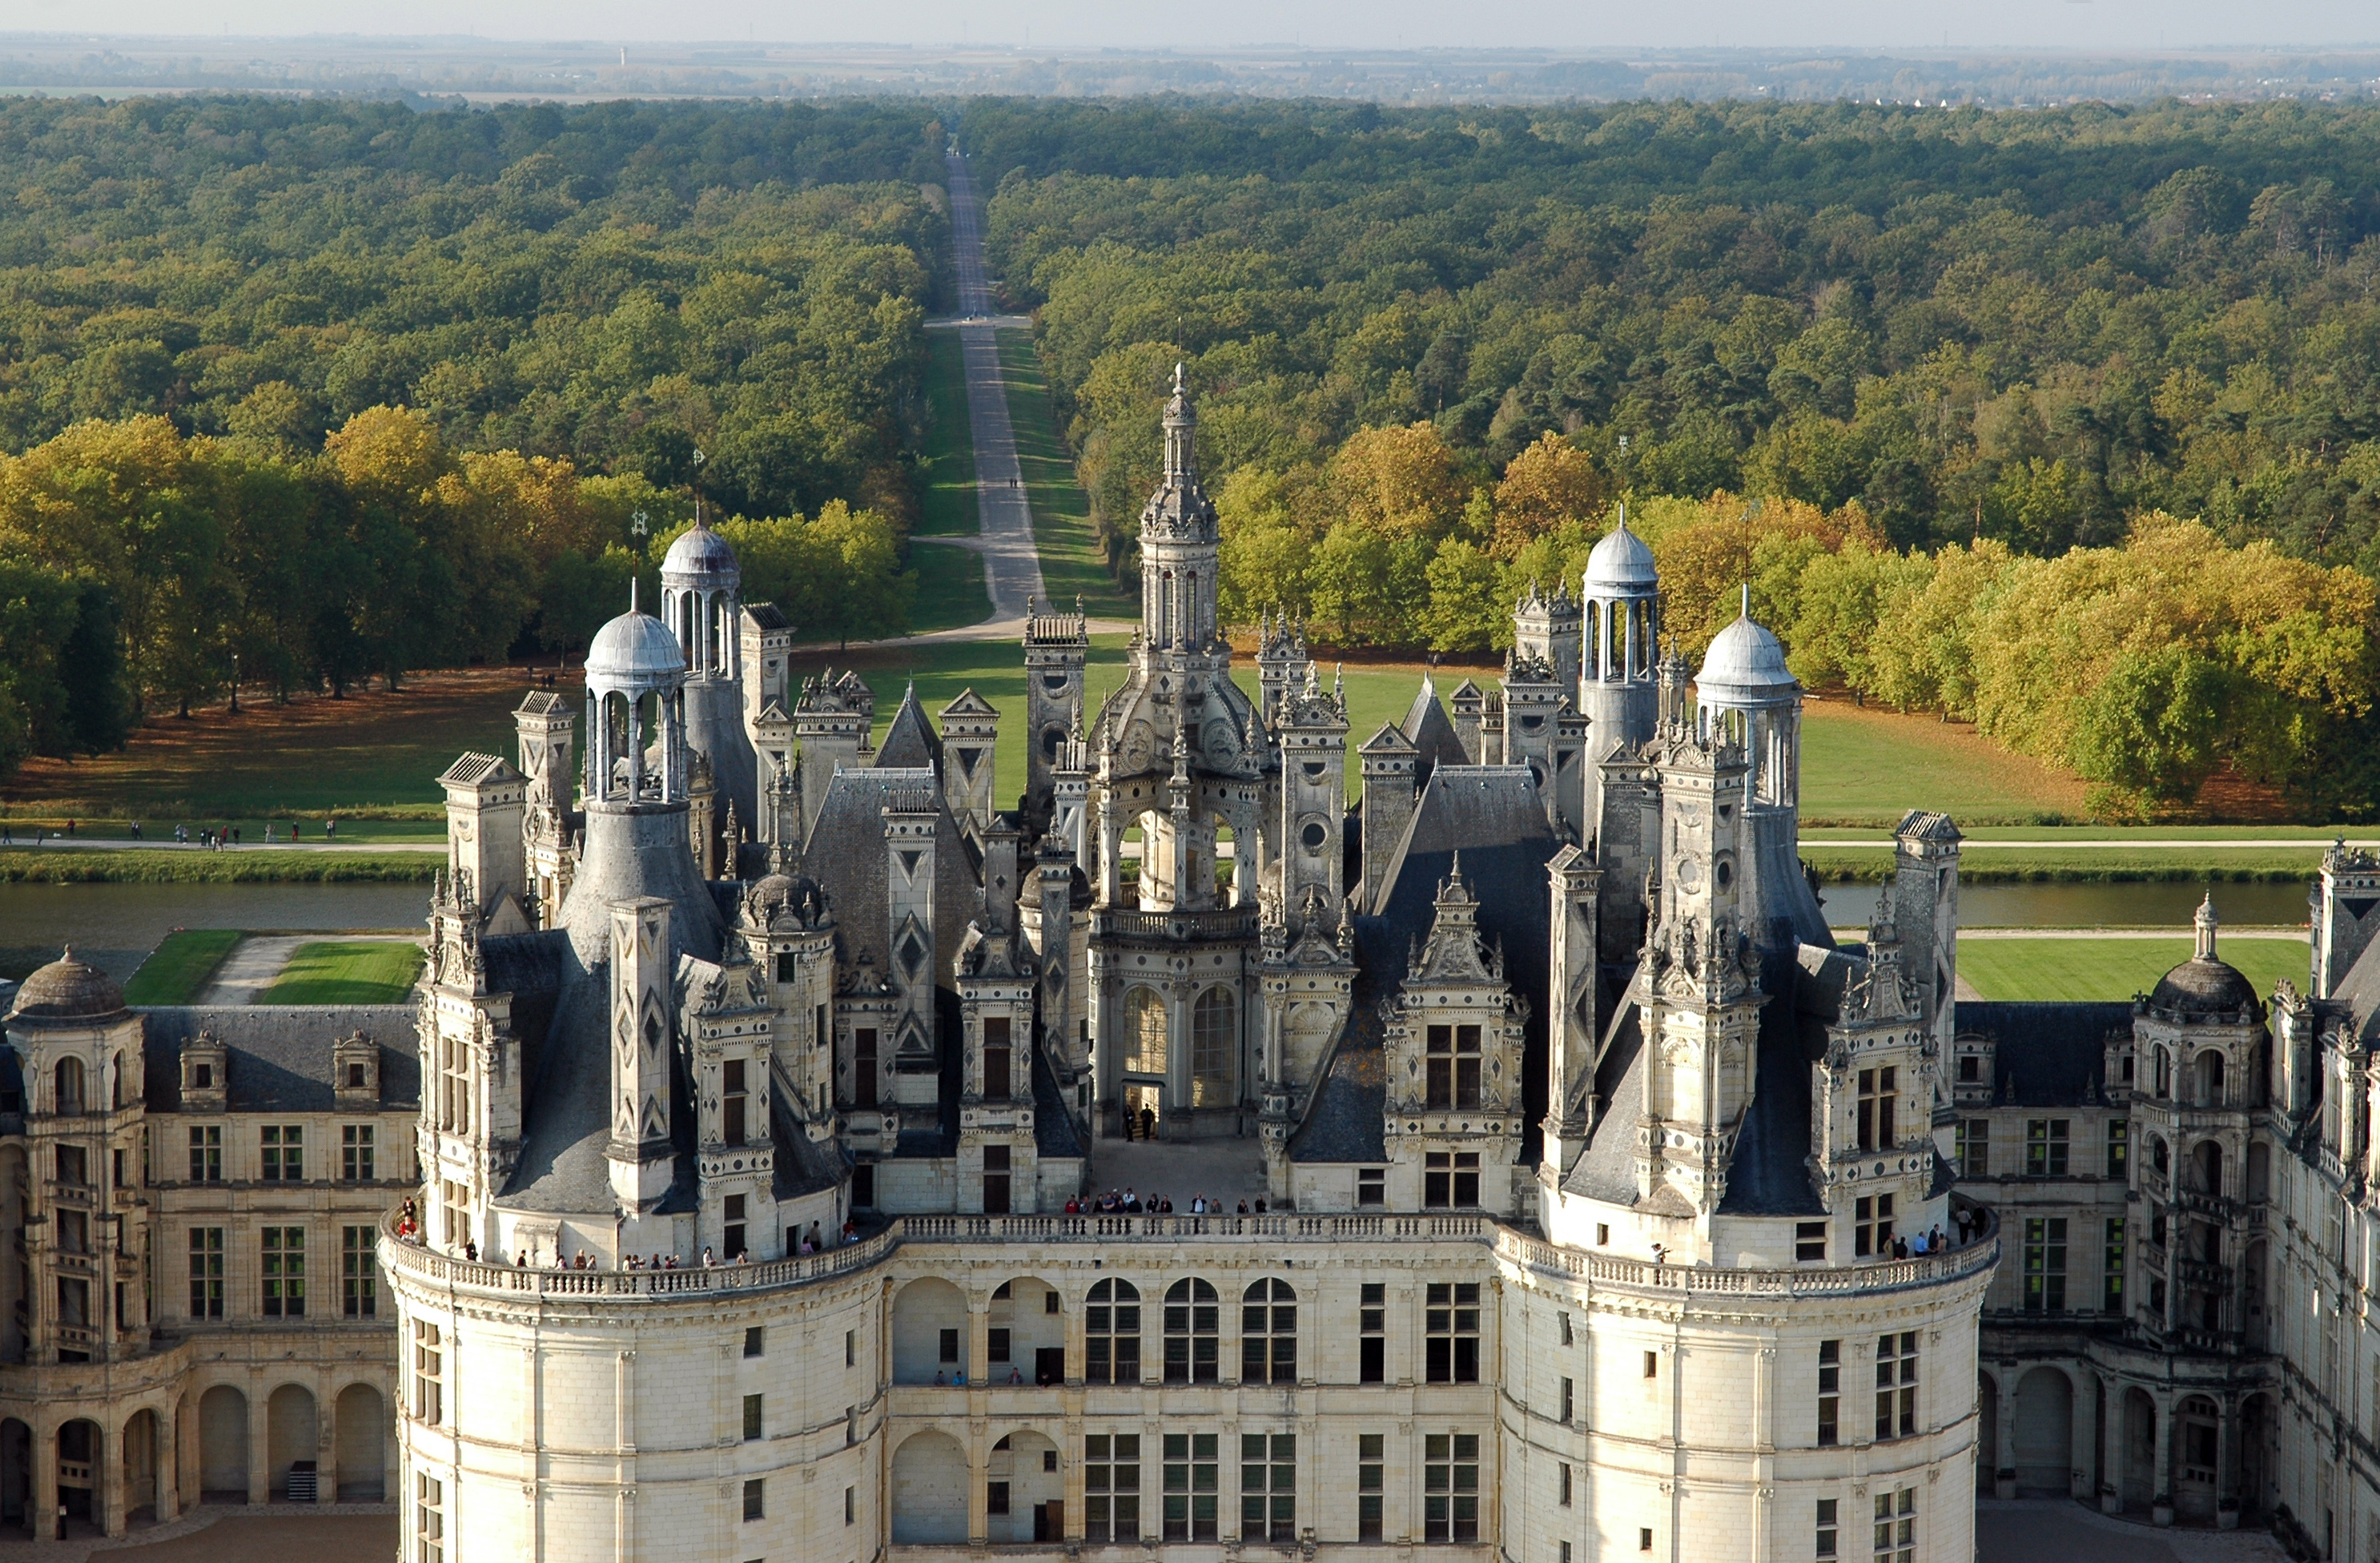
{"x":850,"y":1230}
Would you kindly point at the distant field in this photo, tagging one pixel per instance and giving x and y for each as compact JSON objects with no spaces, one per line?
{"x":946,"y":464}
{"x":1864,"y":766}
{"x":1071,"y":565}
{"x":341,"y":972}
{"x":2112,"y":864}
{"x":2111,"y":968}
{"x":316,"y":755}
{"x":142,"y":867}
{"x":180,"y":968}
{"x":951,"y":593}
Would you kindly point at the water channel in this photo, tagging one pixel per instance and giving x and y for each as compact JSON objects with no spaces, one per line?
{"x":117,"y":926}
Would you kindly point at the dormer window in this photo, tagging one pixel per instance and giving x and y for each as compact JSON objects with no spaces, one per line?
{"x":354,"y":1070}
{"x":202,"y":1076}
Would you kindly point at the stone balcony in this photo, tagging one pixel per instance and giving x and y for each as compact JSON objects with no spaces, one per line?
{"x":1682,"y":1282}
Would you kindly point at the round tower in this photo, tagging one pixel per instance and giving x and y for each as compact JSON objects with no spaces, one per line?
{"x":635,"y":780}
{"x":1178,"y":541}
{"x":1621,"y":611}
{"x":700,"y":580}
{"x":1746,"y":695}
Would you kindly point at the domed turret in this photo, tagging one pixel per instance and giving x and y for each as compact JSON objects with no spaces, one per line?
{"x":2206,"y":984}
{"x":700,"y":557}
{"x":1620,"y":562}
{"x":1745,"y":664}
{"x":635,"y":646}
{"x":68,"y":989}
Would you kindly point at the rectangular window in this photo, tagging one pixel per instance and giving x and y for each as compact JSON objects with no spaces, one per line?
{"x":1974,"y":1148}
{"x":356,"y":1153}
{"x":863,"y":1067}
{"x":206,"y":1272}
{"x":1372,"y":1335}
{"x":949,"y":1342}
{"x":1569,"y":1400}
{"x":206,"y":1154}
{"x":751,"y":1418}
{"x":1872,"y":1228}
{"x":850,"y":1506}
{"x":1190,"y":1487}
{"x":1809,"y":1243}
{"x":1111,"y":1487}
{"x":1896,"y":1386}
{"x":2111,"y":1265}
{"x":732,"y":1100}
{"x":285,"y":1153}
{"x":2044,"y":1147}
{"x":1450,"y":1487}
{"x":756,"y":1505}
{"x":1827,"y":1530}
{"x":1371,"y":1186}
{"x":1268,"y":1486}
{"x":1269,"y":1334}
{"x":1879,"y":1094}
{"x":429,"y":1375}
{"x":1451,"y":1332}
{"x":1830,"y":1390}
{"x":358,"y":1274}
{"x":429,"y":1519}
{"x":1561,"y":1485}
{"x":995,"y":1058}
{"x":2045,"y":1264}
{"x":2120,"y":1148}
{"x":995,"y":1497}
{"x":756,"y":1343}
{"x":1896,"y":1526}
{"x":1450,"y":1179}
{"x":284,"y":1272}
{"x":851,"y":1348}
{"x":995,"y":1180}
{"x":996,"y":1343}
{"x":1370,"y":1468}
{"x":1452,"y":1066}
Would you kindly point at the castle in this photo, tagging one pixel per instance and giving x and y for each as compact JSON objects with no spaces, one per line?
{"x":766,"y":1089}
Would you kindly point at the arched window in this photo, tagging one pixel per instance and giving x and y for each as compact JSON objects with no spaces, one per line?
{"x":1111,"y":1334}
{"x":2164,"y":1080}
{"x":2161,"y":1161}
{"x":2208,"y":1158}
{"x":2210,"y":1078}
{"x":1144,"y":1028}
{"x":67,"y":1081}
{"x":1191,"y":1312}
{"x":1214,"y":1045}
{"x":1269,"y":1334}
{"x":114,"y":1081}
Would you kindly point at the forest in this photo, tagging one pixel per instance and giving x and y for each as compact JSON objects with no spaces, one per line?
{"x":318,"y":391}
{"x":1436,"y":348}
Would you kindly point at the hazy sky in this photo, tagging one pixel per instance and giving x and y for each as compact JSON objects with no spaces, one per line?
{"x":1206,"y":24}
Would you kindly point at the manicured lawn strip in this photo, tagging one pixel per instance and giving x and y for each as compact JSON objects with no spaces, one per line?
{"x":372,"y":752}
{"x":348,"y":972}
{"x":2110,"y":969}
{"x":2314,"y":835}
{"x":946,"y":463}
{"x":1071,"y":565}
{"x":136,"y":867}
{"x":951,"y":592}
{"x":180,"y":968}
{"x":1864,"y":766}
{"x":2086,"y":866}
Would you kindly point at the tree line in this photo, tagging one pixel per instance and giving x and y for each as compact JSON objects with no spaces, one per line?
{"x":1435,"y":347}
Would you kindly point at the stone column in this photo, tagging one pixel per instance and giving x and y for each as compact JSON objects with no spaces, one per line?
{"x":978,"y":1357}
{"x":2084,"y":1437}
{"x":326,"y":1448}
{"x":978,"y":1500}
{"x":169,"y":1465}
{"x":260,"y":1451}
{"x":44,"y":1497}
{"x":2227,"y":1465}
{"x":2161,"y":1500}
{"x":107,"y":1479}
{"x":2004,"y":1423}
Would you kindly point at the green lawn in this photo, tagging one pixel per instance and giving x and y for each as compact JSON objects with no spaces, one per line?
{"x":951,"y":593}
{"x":136,"y":867}
{"x":946,"y":463}
{"x":2110,"y":969}
{"x":1071,"y":563}
{"x":1862,"y":766}
{"x":180,"y":968}
{"x":366,"y":972}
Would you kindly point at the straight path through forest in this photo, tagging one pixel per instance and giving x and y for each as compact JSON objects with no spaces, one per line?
{"x":1012,"y":565}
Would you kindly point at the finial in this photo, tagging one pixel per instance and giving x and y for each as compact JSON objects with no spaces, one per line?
{"x":632,"y":595}
{"x":2205,"y":924}
{"x":1747,"y":599}
{"x":1624,"y":516}
{"x":1177,"y":377}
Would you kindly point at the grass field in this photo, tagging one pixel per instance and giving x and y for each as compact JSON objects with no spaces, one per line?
{"x":1864,"y":766}
{"x":946,"y":462}
{"x":2111,"y":969}
{"x":180,"y":968}
{"x":1071,"y":564}
{"x":139,"y":868}
{"x":372,"y":751}
{"x":348,"y":972}
{"x":951,"y":593}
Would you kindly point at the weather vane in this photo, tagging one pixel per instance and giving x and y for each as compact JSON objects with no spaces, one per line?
{"x":636,"y":523}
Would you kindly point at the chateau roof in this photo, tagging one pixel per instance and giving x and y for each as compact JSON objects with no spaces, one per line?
{"x":1745,"y":662}
{"x":701,"y":552}
{"x":634,"y":647}
{"x":279,"y":1056}
{"x":1620,"y":562}
{"x":2043,"y":1054}
{"x":909,"y":742}
{"x":849,"y":836}
{"x":68,"y":988}
{"x":1429,"y":730}
{"x":470,"y":770}
{"x":766,"y":616}
{"x":547,"y":702}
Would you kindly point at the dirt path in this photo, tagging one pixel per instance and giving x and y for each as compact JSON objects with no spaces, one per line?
{"x":257,"y":962}
{"x":1012,"y":565}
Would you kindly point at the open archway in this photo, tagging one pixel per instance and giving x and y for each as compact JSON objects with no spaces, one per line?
{"x":1026,"y":1334}
{"x":222,"y":1445}
{"x":1025,"y":1491}
{"x":141,"y":1445}
{"x":929,"y":1332}
{"x":292,"y":1434}
{"x":363,"y":1429}
{"x":929,"y":1490}
{"x":2045,"y":1434}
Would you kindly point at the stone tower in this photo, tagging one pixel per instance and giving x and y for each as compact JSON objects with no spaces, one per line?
{"x":1056,"y":645}
{"x":1621,"y":617}
{"x":699,"y":579}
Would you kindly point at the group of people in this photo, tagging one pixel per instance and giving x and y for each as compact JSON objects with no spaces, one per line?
{"x":1130,"y":1204}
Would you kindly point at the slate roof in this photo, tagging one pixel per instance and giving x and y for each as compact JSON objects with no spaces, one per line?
{"x":766,"y":616}
{"x":848,"y":845}
{"x":279,"y":1055}
{"x":1053,"y":1126}
{"x":2050,"y":1053}
{"x":1431,"y":733}
{"x":1492,"y":815}
{"x":2358,"y":993}
{"x":910,"y":741}
{"x":470,"y":768}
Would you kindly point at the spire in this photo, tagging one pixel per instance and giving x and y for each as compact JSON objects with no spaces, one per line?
{"x":632,"y":594}
{"x":2204,"y":923}
{"x":1745,"y":611}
